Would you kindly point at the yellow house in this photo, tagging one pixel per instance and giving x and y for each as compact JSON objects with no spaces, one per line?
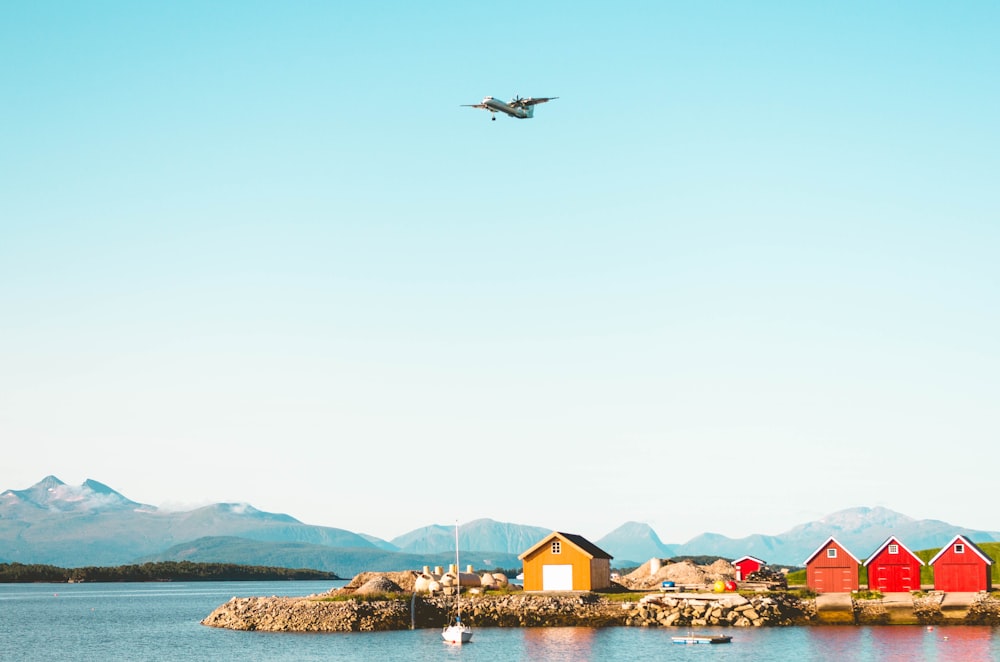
{"x":566,"y":562}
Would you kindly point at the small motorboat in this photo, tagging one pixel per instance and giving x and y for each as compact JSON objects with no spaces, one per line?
{"x":702,"y":639}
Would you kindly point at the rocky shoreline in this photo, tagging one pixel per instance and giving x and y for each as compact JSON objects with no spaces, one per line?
{"x":391,"y":601}
{"x":356,"y":610}
{"x":321,"y":614}
{"x":316,"y":614}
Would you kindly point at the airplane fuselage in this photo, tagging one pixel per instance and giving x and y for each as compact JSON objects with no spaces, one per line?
{"x":497,"y":106}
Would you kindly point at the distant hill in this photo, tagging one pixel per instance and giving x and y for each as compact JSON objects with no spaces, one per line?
{"x":93,"y":525}
{"x":634,"y":543}
{"x":768,"y":548}
{"x":52,"y":496}
{"x":345,"y":562}
{"x":431,"y":538}
{"x":378,"y":542}
{"x":481,"y":534}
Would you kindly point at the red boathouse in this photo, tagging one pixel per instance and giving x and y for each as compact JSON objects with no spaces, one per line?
{"x":961,"y":566}
{"x":746,"y":566}
{"x":832,"y":569}
{"x":892,"y":568}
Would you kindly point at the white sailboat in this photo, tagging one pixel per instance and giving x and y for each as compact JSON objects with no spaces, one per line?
{"x":457,"y":632}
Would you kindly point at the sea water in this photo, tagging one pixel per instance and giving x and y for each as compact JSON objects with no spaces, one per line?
{"x":161,"y":621}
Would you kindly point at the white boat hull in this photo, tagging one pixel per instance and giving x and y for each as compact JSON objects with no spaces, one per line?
{"x":457,"y":634}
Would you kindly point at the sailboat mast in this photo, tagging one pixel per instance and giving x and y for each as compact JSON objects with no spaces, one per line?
{"x":458,"y":576}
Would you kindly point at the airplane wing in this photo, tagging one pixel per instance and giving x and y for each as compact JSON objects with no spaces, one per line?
{"x":531,"y":102}
{"x":474,"y":105}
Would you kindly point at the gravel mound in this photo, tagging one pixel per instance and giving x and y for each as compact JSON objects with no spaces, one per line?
{"x":405,"y":579}
{"x":721,"y":570}
{"x":379,"y":584}
{"x":682,"y":572}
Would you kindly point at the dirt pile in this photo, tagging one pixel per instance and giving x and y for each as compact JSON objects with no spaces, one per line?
{"x":380,"y":584}
{"x":405,"y":581}
{"x":681,"y":573}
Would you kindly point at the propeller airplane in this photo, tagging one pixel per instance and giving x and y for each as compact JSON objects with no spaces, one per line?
{"x":517,"y":107}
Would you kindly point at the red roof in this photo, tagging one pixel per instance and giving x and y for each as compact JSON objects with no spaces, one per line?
{"x":891,"y":539}
{"x":749,"y":558}
{"x":827,"y":544}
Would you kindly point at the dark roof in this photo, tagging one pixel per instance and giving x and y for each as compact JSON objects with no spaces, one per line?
{"x":586,"y":545}
{"x":979,"y":550}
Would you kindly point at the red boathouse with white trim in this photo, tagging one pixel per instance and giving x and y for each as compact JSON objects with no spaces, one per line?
{"x":892,"y":568}
{"x":832,"y":569}
{"x":961,"y":566}
{"x":746,"y":566}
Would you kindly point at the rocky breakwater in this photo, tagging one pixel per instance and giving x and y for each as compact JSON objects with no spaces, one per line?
{"x":386,"y":607}
{"x":726,"y":610}
{"x":526,"y":610}
{"x":326,"y":613}
{"x":370,"y":602}
{"x":315,"y":614}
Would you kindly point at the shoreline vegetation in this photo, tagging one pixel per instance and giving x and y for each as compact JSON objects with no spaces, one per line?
{"x":163,"y":571}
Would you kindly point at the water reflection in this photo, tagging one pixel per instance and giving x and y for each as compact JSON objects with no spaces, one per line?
{"x":959,"y":642}
{"x":895,"y":642}
{"x":559,"y":643}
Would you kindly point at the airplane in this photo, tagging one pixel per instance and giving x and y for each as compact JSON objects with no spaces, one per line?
{"x":520,"y":108}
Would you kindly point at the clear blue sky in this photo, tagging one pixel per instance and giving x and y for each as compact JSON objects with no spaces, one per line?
{"x":256,"y":251}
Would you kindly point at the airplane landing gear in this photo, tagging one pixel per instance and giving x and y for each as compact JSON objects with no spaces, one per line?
{"x":493,"y":117}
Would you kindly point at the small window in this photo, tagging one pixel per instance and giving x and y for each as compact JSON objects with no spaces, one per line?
{"x":959,"y":548}
{"x":556,"y":547}
{"x":831,"y":553}
{"x":894,"y":549}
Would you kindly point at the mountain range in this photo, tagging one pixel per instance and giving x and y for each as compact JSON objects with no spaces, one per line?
{"x":92,"y":524}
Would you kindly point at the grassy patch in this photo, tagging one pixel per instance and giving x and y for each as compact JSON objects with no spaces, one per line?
{"x":365,"y":597}
{"x":796,"y":577}
{"x":506,"y":590}
{"x":868,"y":595}
{"x":624,"y":597}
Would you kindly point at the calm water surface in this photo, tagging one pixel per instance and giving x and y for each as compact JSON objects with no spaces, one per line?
{"x":119,"y":622}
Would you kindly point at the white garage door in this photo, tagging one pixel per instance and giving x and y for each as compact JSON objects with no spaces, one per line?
{"x":557,"y":578}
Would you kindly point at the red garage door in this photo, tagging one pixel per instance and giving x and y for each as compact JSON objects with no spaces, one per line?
{"x":835,"y":580}
{"x":893,"y":578}
{"x":959,"y":577}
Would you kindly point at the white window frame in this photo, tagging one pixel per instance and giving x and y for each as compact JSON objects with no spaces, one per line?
{"x":831,"y":553}
{"x":894,"y":549}
{"x":556,"y":547}
{"x":960,"y":548}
